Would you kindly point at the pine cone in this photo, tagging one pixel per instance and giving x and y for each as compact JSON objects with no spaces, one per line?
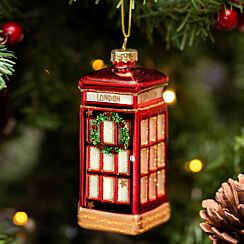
{"x":224,"y":218}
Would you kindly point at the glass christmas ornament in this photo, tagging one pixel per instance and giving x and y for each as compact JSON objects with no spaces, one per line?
{"x":12,"y":32}
{"x":123,"y":147}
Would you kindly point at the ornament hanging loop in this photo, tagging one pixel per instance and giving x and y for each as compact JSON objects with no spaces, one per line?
{"x":124,"y":44}
{"x":126,"y":35}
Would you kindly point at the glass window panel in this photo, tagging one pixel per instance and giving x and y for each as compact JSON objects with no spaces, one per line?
{"x":108,"y":162}
{"x":144,"y":132}
{"x":94,"y":158}
{"x":144,"y":161}
{"x":123,"y":162}
{"x":161,"y":155}
{"x":161,"y":126}
{"x":123,"y":190}
{"x":108,"y":188}
{"x":161,"y":182}
{"x":109,"y":132}
{"x":153,"y":129}
{"x":144,"y":189}
{"x":152,"y":186}
{"x":93,"y":186}
{"x":153,"y":157}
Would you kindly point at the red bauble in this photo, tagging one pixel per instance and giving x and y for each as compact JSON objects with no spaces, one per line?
{"x":227,"y":19}
{"x":13,"y":33}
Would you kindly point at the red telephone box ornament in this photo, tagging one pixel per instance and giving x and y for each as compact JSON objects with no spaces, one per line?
{"x":123,"y":147}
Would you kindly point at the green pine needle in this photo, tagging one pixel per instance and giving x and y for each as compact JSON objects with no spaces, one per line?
{"x":180,"y":22}
{"x":6,"y":65}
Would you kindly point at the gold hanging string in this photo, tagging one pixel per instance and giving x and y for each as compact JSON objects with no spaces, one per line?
{"x":126,"y":35}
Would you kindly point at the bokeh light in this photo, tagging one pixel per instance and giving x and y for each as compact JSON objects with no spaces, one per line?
{"x":20,"y":218}
{"x":169,"y":96}
{"x":97,"y":64}
{"x":195,"y":165}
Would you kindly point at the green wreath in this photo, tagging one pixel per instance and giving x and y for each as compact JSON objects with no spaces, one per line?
{"x":125,"y":137}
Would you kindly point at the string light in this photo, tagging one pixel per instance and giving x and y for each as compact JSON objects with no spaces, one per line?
{"x":97,"y":64}
{"x":195,"y":165}
{"x":46,"y":71}
{"x":169,"y":96}
{"x":20,"y":218}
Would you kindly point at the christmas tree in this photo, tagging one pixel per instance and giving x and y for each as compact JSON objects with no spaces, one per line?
{"x":198,"y":43}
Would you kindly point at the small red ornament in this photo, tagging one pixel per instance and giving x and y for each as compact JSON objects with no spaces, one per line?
{"x":122,"y":124}
{"x":100,"y":146}
{"x":94,"y":127}
{"x":227,"y":19}
{"x":107,"y":114}
{"x":121,"y":146}
{"x":12,"y":32}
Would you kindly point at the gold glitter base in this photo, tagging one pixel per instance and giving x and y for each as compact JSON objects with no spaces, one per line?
{"x":123,"y":223}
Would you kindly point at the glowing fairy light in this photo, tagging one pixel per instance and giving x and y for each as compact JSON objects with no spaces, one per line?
{"x":20,"y":218}
{"x":195,"y":165}
{"x":97,"y":64}
{"x":169,"y":96}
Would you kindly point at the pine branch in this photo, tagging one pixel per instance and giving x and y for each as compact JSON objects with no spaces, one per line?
{"x":6,"y":65}
{"x":180,"y":22}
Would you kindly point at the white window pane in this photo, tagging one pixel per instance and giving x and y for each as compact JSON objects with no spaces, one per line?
{"x":94,"y":160}
{"x":144,"y":161}
{"x":144,"y":132}
{"x":144,"y":187}
{"x":161,"y":182}
{"x":161,"y":126}
{"x":109,"y":132}
{"x":123,"y":162}
{"x":123,"y":190}
{"x":152,"y":186}
{"x":93,"y":186}
{"x":108,"y":188}
{"x":153,"y":129}
{"x":108,"y":162}
{"x":161,"y":154}
{"x":153,"y":157}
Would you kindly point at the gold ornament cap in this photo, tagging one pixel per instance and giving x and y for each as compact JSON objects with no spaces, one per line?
{"x":127,"y":55}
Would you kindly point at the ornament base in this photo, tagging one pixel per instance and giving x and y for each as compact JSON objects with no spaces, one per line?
{"x":123,"y":223}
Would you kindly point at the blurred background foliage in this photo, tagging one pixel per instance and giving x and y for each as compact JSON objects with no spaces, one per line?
{"x":39,"y":153}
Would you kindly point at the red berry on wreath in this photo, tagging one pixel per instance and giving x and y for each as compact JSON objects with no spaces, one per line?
{"x":107,"y":114}
{"x":94,"y":127}
{"x":227,"y":19}
{"x":122,"y":124}
{"x":13,"y":33}
{"x":100,"y":146}
{"x":121,"y":146}
{"x":113,"y":151}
